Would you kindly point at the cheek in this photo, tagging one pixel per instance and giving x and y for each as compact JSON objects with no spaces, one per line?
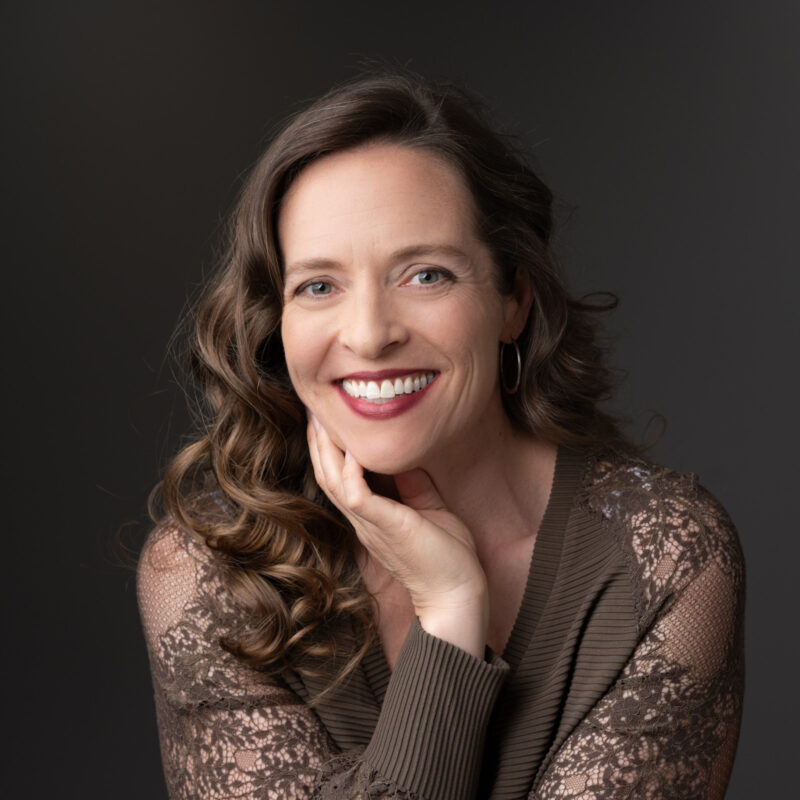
{"x":299,"y":352}
{"x":472,"y":335}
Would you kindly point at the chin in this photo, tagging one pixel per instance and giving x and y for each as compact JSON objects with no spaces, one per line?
{"x":386,"y":462}
{"x":382,"y":452}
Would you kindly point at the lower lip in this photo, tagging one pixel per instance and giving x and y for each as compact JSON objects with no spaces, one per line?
{"x":387,"y":410}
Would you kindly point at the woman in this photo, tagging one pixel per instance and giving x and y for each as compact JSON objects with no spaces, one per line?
{"x":407,"y":555}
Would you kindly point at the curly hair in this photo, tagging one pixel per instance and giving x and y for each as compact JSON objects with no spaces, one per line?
{"x":288,"y":557}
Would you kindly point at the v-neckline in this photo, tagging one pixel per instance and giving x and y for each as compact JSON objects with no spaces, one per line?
{"x":545,"y":559}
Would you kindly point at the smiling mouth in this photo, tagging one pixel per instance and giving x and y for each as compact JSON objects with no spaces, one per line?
{"x":387,"y":390}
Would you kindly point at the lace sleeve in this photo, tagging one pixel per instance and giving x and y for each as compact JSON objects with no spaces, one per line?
{"x":225,"y":730}
{"x":229,"y":731}
{"x":668,"y":727}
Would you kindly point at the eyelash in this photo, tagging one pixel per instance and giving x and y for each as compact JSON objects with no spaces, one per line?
{"x":302,"y":289}
{"x":443,"y":274}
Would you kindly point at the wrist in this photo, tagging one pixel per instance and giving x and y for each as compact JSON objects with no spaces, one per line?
{"x":461,"y":622}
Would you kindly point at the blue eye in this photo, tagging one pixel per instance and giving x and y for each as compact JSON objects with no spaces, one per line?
{"x":316,"y":288}
{"x":427,"y":277}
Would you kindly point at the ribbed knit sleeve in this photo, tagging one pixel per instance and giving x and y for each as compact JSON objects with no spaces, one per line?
{"x":430,"y":733}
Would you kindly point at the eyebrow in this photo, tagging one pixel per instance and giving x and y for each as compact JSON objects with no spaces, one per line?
{"x":403,"y":254}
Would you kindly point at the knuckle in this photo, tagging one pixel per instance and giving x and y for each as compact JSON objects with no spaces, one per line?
{"x":355,"y":499}
{"x":408,"y":520}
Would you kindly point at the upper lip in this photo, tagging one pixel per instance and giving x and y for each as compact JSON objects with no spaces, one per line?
{"x":384,"y":374}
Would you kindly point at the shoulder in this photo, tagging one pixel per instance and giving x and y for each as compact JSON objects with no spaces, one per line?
{"x":180,"y":591}
{"x":671,"y":528}
{"x":178,"y":571}
{"x":174,"y":569}
{"x":187,"y":611}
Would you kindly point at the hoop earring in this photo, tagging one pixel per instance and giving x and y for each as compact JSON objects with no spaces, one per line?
{"x":511,"y":389}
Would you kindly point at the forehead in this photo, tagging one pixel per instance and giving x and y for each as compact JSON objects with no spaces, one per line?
{"x":381,"y":195}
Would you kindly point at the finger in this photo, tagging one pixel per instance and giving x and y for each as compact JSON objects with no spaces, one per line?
{"x":331,"y":458}
{"x":356,"y":493}
{"x":342,"y":479}
{"x":313,"y":450}
{"x":347,"y":489}
{"x":417,"y":490}
{"x":325,"y":454}
{"x":323,"y":480}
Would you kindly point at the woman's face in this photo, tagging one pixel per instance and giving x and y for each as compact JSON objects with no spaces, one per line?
{"x":391,"y":317}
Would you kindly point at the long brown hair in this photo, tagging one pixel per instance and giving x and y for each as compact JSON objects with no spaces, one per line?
{"x":245,"y":485}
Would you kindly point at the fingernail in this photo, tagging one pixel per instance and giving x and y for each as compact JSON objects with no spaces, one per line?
{"x":314,"y":421}
{"x":347,"y":457}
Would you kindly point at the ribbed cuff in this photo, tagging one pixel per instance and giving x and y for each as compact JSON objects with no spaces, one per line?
{"x":430,"y":734}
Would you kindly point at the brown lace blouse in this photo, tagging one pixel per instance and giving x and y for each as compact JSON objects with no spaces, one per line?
{"x":622,"y":678}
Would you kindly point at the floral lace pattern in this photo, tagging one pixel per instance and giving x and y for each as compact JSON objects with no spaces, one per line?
{"x":225,"y":729}
{"x":667,"y":728}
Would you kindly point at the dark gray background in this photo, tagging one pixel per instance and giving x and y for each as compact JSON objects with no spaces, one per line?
{"x":672,"y":128}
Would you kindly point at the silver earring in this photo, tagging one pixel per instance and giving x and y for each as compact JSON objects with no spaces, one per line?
{"x":510,"y":389}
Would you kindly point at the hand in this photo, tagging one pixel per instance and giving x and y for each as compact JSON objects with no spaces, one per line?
{"x":419,"y":542}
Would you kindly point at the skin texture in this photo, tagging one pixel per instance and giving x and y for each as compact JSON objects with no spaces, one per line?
{"x":383,"y":271}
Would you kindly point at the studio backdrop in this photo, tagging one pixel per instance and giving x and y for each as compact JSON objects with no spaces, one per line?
{"x":669,"y":133}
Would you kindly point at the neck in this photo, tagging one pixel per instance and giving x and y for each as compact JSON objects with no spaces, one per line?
{"x":497,"y":485}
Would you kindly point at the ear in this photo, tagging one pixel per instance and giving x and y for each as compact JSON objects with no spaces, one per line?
{"x":517,"y":307}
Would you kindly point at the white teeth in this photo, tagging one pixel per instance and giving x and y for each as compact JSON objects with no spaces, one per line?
{"x":387,"y":389}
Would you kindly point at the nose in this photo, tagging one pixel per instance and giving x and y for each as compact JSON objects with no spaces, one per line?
{"x":371,"y":325}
